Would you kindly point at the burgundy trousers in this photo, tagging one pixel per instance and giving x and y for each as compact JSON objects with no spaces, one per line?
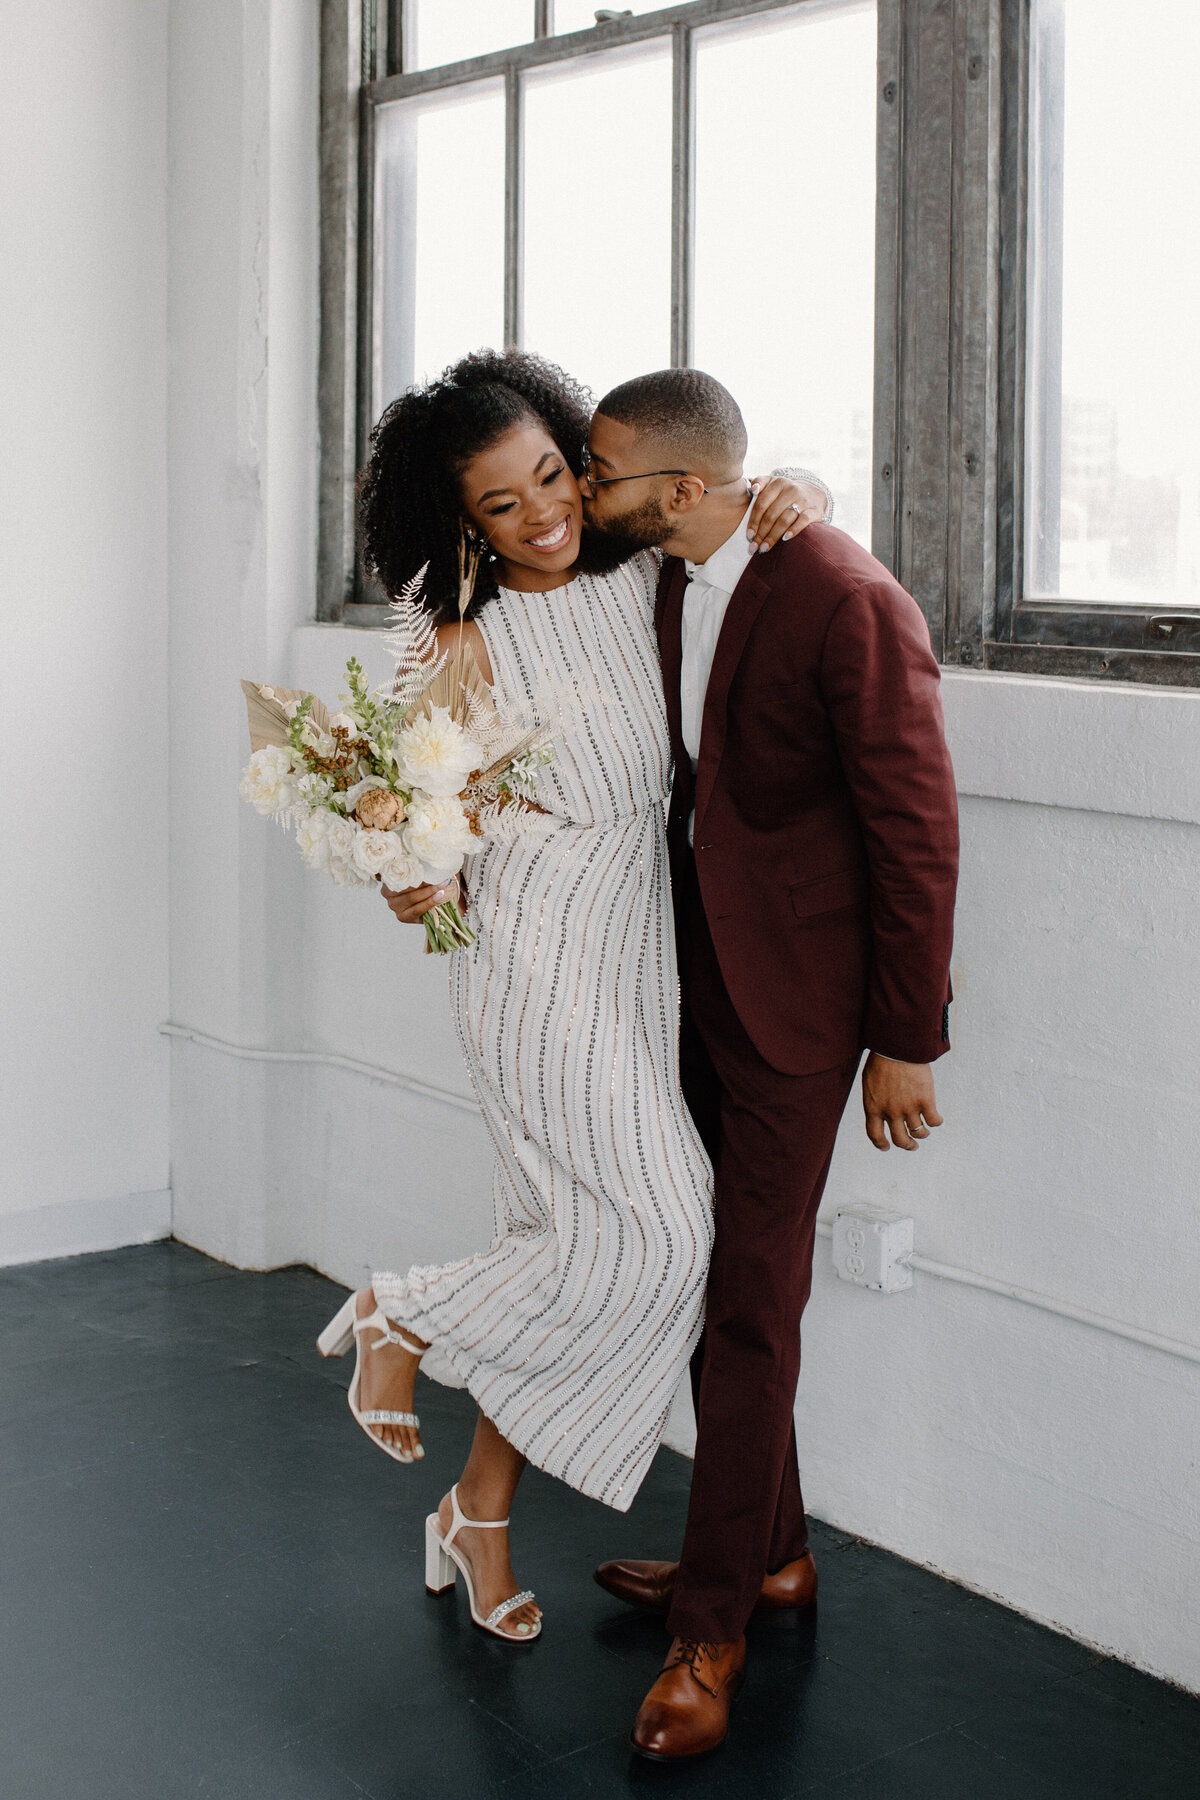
{"x":771,"y":1138}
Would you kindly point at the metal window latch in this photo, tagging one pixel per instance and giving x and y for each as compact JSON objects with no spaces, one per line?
{"x":1173,"y":625}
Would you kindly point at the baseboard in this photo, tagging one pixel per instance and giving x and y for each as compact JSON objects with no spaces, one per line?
{"x":73,"y":1227}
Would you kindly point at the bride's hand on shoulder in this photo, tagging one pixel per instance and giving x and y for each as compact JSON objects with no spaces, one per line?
{"x":410,"y":905}
{"x":782,"y":509}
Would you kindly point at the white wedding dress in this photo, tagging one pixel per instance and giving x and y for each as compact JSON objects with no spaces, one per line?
{"x":572,"y":1331}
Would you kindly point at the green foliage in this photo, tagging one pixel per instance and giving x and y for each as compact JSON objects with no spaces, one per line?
{"x":297,"y":722}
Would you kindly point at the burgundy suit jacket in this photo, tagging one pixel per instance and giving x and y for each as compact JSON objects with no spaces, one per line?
{"x":826,"y":834}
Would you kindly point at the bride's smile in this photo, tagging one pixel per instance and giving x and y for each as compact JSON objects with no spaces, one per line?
{"x":554,"y":539}
{"x":521,"y":496}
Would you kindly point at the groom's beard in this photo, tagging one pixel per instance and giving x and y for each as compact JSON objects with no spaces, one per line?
{"x":622,"y":535}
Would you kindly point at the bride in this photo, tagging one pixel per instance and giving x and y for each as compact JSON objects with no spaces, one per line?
{"x":573,"y":1330}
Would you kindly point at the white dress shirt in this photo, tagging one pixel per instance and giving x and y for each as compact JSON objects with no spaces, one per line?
{"x":710,"y":587}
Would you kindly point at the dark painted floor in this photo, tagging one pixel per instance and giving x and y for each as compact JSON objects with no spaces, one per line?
{"x":212,"y":1586}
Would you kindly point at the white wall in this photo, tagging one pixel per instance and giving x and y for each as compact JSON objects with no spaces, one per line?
{"x":83,"y":583}
{"x":242,"y":483}
{"x":1048,"y":1462}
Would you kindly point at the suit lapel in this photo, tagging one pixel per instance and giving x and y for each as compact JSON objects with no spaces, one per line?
{"x":745,"y":604}
{"x":668,"y":622}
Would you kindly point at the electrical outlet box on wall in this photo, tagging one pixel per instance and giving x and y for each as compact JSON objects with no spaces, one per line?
{"x":871,"y":1247}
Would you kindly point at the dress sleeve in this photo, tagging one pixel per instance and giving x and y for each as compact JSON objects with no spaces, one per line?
{"x":807,"y":475}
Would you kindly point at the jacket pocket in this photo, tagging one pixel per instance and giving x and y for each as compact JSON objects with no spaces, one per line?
{"x":827,"y":893}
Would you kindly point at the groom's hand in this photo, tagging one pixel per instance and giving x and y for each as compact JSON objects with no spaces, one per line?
{"x":900,"y":1097}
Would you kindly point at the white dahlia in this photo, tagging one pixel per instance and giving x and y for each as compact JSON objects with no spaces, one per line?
{"x":436,"y":754}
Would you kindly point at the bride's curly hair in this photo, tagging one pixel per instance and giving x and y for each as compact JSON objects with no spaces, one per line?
{"x":409,"y":499}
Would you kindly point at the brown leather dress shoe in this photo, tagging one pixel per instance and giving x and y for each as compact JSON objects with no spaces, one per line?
{"x":651,"y":1585}
{"x":686,"y":1712}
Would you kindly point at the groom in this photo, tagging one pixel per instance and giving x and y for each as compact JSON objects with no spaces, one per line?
{"x":813,"y":840}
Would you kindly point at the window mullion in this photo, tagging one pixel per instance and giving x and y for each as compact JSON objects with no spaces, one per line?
{"x":683,"y":193}
{"x":514,"y":208}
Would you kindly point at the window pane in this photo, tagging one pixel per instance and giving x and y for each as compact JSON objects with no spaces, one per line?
{"x":440,"y":222}
{"x":785,"y":240}
{"x":446,"y":31}
{"x":1113,"y":472}
{"x":598,"y":215}
{"x":578,"y":15}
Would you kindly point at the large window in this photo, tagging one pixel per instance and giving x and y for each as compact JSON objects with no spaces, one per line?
{"x":785,"y":286}
{"x":695,"y":185}
{"x":439,"y":270}
{"x":1112,"y":475}
{"x":945,"y":254}
{"x":597,"y":201}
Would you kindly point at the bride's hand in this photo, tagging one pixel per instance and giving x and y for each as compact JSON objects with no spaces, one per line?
{"x":411,"y":904}
{"x":782,"y":509}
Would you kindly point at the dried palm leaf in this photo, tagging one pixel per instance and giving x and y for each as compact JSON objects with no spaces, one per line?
{"x":266,"y":717}
{"x":460,"y":687}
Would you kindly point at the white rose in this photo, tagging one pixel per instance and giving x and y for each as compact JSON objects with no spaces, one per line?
{"x":436,"y":754}
{"x":267,"y":780}
{"x":403,"y":871}
{"x":374,"y":851}
{"x":312,"y":835}
{"x":340,"y":836}
{"x":438,"y":835}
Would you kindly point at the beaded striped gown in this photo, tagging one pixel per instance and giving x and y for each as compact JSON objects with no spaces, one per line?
{"x":573,"y":1330}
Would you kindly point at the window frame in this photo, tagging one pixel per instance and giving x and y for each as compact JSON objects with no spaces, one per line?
{"x":951,"y":298}
{"x":1039,"y":636}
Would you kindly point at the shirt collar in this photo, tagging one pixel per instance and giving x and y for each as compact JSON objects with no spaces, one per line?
{"x":725,"y":567}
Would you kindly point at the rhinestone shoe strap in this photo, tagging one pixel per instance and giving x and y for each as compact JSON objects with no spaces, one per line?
{"x":376,"y":1417}
{"x":506,"y":1606}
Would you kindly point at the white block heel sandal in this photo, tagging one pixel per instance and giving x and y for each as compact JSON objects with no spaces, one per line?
{"x":442,"y":1561}
{"x":344,"y":1329}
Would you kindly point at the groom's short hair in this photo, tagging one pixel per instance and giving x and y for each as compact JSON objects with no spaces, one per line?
{"x":687,"y":412}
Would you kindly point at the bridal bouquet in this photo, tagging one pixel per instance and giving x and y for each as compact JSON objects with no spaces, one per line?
{"x":406,"y":781}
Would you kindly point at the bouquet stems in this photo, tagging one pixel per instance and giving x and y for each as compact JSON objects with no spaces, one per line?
{"x":446,"y":929}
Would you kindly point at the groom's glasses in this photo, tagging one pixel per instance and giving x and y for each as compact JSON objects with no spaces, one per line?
{"x":599,"y":481}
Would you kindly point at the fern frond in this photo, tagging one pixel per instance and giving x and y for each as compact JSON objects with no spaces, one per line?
{"x":506,"y":820}
{"x":412,"y":643}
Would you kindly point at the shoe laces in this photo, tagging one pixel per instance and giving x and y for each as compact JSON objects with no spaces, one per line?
{"x":692,"y":1651}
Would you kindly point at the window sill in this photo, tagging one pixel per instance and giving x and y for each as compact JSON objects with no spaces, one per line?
{"x":1153,"y":668}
